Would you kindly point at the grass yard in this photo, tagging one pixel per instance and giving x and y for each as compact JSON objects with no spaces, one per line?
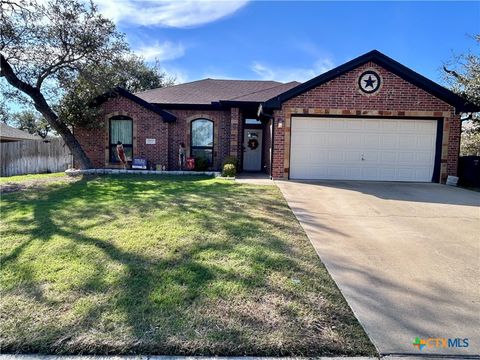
{"x":33,"y":181}
{"x":151,"y":265}
{"x":23,"y":178}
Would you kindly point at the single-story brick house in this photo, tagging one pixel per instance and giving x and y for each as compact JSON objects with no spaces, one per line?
{"x":368,"y":119}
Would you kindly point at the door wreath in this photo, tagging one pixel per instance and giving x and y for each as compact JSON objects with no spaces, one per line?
{"x":253,"y":144}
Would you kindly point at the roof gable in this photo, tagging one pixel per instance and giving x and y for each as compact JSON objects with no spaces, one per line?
{"x":460,"y":104}
{"x":118,"y":91}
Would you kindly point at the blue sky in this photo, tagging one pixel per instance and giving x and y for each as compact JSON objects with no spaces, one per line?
{"x":292,"y":40}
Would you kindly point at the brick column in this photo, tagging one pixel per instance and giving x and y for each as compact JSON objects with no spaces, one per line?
{"x":234,"y":121}
{"x":278,"y":145}
{"x":455,"y":127}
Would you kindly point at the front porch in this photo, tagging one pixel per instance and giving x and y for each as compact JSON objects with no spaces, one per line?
{"x":251,"y":141}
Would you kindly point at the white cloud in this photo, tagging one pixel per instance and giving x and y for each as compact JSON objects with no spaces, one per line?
{"x":162,"y":51}
{"x":169,"y":13}
{"x":180,"y":75}
{"x":286,"y":74}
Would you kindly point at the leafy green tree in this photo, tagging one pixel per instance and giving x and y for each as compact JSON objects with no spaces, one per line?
{"x":59,"y":55}
{"x":31,"y":122}
{"x":129,"y":72}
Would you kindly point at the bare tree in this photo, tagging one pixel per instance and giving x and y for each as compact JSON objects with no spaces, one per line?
{"x":462,"y":74}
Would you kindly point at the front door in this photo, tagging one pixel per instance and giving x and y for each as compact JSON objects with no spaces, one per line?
{"x":252,"y":150}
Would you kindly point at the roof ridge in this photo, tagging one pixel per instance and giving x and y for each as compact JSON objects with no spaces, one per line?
{"x":205,"y":79}
{"x":258,"y":91}
{"x":250,"y":80}
{"x":165,"y":87}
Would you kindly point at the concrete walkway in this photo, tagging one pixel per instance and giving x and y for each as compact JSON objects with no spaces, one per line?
{"x":406,"y":257}
{"x":254,"y":179}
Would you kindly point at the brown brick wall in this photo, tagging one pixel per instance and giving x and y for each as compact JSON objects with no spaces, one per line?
{"x":147,"y":124}
{"x":93,"y":143}
{"x":341,"y":96}
{"x":180,"y":132}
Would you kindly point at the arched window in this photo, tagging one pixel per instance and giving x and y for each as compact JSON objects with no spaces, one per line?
{"x":121,"y":130}
{"x":201,"y":143}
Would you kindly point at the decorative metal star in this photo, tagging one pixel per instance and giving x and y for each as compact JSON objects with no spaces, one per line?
{"x":369,"y":82}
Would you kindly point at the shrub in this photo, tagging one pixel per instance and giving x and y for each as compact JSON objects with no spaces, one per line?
{"x":229,"y":170}
{"x":201,"y":163}
{"x":230,"y":160}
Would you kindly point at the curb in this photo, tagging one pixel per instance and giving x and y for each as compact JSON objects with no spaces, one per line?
{"x":75,"y":172}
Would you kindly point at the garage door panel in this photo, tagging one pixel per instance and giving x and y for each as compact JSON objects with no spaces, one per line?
{"x":388,"y":157}
{"x":371,"y":141}
{"x":406,"y":174}
{"x":392,"y":149}
{"x":355,"y":140}
{"x":337,"y":140}
{"x":370,"y":157}
{"x":352,"y":156}
{"x":407,"y":126}
{"x":425,"y":142}
{"x":388,"y":174}
{"x":389,"y":141}
{"x":338,"y":124}
{"x":354,"y":124}
{"x":423,"y":158}
{"x":336,"y":157}
{"x":421,"y":174}
{"x":372,"y":125}
{"x":425,"y":127}
{"x":407,"y":142}
{"x":370,"y":173}
{"x":389,"y":126}
{"x":354,"y":173}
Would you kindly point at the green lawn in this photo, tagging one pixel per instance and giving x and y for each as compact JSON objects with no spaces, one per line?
{"x":151,"y":265}
{"x":22,"y":178}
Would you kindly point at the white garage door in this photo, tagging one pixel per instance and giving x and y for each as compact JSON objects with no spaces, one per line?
{"x":362,"y":149}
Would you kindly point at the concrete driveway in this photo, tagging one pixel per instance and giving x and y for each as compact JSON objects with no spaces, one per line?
{"x":405,"y":255}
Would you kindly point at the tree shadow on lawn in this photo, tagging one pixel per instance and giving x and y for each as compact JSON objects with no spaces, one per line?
{"x":227,"y":288}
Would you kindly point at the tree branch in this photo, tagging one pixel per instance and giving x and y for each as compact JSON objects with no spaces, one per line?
{"x":42,"y":106}
{"x":7,"y":72}
{"x":453,"y":73}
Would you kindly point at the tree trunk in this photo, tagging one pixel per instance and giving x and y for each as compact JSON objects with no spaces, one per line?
{"x":67,"y":136}
{"x":42,"y":106}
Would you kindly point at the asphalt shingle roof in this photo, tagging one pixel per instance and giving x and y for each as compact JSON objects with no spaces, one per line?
{"x":212,"y":90}
{"x":8,"y":132}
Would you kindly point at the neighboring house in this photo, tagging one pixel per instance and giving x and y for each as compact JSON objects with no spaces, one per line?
{"x":368,"y":119}
{"x":9,"y":134}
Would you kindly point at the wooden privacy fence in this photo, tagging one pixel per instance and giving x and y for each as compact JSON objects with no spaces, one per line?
{"x":34,"y":157}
